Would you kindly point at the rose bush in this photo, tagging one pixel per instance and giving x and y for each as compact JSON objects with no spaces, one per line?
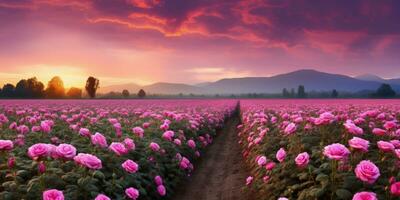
{"x":103,"y":149}
{"x":321,"y":149}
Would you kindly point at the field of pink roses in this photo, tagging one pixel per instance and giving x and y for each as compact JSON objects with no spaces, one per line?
{"x":103,"y":149}
{"x":321,"y":149}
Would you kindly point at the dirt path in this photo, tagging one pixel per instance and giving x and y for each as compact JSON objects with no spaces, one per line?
{"x":220,"y":174}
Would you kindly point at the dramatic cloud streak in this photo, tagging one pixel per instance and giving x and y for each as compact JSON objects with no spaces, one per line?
{"x":173,"y":40}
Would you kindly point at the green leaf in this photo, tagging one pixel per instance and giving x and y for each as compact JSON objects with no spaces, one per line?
{"x":343,"y":194}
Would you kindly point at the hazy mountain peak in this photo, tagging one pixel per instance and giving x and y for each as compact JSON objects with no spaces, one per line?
{"x":369,"y":77}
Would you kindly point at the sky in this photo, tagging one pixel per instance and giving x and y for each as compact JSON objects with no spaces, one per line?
{"x":194,"y":41}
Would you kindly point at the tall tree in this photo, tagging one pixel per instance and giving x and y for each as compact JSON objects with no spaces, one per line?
{"x":125,"y":93}
{"x":35,"y":87}
{"x":385,"y":91}
{"x":55,"y":88}
{"x":75,"y":93}
{"x":292,"y":93}
{"x":141,"y":93}
{"x":285,"y":93}
{"x":22,"y":90}
{"x":301,"y":92}
{"x":335,"y":93}
{"x":8,"y":90}
{"x":92,"y":84}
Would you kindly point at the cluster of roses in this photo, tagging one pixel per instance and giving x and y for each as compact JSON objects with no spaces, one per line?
{"x":292,"y":119}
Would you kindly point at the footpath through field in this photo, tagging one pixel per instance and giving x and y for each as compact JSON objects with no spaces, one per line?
{"x":220,"y":175}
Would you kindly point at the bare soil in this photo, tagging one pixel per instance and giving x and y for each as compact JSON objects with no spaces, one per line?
{"x":220,"y":174}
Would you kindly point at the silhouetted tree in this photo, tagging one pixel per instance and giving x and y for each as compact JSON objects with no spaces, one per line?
{"x":385,"y":91}
{"x":92,"y":84}
{"x":8,"y":90}
{"x":141,"y":93}
{"x":55,"y":88}
{"x":292,"y":93}
{"x":285,"y":93}
{"x":36,"y":88}
{"x":125,"y":93}
{"x":301,"y":92}
{"x":21,"y":89}
{"x":75,"y":93}
{"x":335,"y":93}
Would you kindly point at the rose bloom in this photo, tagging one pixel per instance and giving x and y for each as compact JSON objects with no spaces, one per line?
{"x":336,"y":151}
{"x":158,"y":180}
{"x":261,"y":161}
{"x":367,"y":171}
{"x":132,"y":193}
{"x":138,"y":131}
{"x":168,"y":135}
{"x":53,"y":194}
{"x":84,"y":132}
{"x":191,"y":144}
{"x":365,"y":196}
{"x":88,"y":160}
{"x":385,"y":146}
{"x":302,"y":159}
{"x":102,"y":197}
{"x":118,"y":148}
{"x":130,"y":166}
{"x":249,"y":180}
{"x":281,"y":155}
{"x":99,"y":140}
{"x":397,"y":152}
{"x":359,"y":144}
{"x":161,"y":190}
{"x":129,"y":143}
{"x":38,"y":150}
{"x":154,"y":146}
{"x":352,"y":128}
{"x":290,"y":128}
{"x":378,"y":131}
{"x":66,"y":151}
{"x":395,"y":189}
{"x":6,"y":145}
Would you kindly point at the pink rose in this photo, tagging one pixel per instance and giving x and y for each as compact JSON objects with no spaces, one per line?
{"x":359,"y":144}
{"x":158,"y":180}
{"x":38,"y":150}
{"x":365,"y":196}
{"x":88,"y":160}
{"x":161,"y":190}
{"x":191,"y":144}
{"x":168,"y":135}
{"x":84,"y":132}
{"x":129,"y":143}
{"x":270,"y":166}
{"x":99,"y":140}
{"x":352,"y":128}
{"x":53,"y":194}
{"x":378,"y":131}
{"x":102,"y":197}
{"x":336,"y":151}
{"x":249,"y":180}
{"x":130,"y":166}
{"x":290,"y":128}
{"x":66,"y":151}
{"x":132,"y":193}
{"x":281,"y":155}
{"x":302,"y":159}
{"x":261,"y":161}
{"x":395,"y":189}
{"x":385,"y":146}
{"x":6,"y":145}
{"x":367,"y":171}
{"x":154,"y":146}
{"x":138,"y":131}
{"x":118,"y":148}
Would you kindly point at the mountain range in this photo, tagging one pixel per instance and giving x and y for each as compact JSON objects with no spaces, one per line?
{"x":311,"y":79}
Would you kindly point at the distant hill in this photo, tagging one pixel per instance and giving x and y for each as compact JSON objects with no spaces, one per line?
{"x":131,"y":87}
{"x":312,"y":80}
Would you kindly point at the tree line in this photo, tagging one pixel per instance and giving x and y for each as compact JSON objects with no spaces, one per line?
{"x":32,"y":88}
{"x":384,"y":91}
